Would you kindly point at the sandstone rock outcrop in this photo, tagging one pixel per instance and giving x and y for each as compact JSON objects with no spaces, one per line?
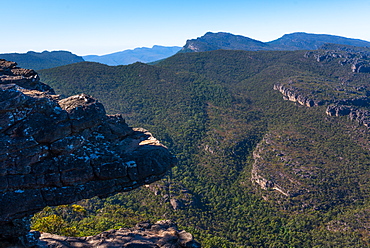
{"x":355,"y":108}
{"x":163,"y":234}
{"x":344,"y":96}
{"x":277,"y":169}
{"x":57,"y":151}
{"x":267,"y":180}
{"x":361,"y":115}
{"x":293,"y":95}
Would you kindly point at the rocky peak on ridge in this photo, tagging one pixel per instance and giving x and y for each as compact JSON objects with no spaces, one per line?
{"x":214,"y":41}
{"x":57,"y":151}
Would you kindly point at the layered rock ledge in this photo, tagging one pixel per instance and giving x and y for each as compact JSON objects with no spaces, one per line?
{"x":57,"y":151}
{"x":163,"y":234}
{"x":270,"y":175}
{"x":293,"y":95}
{"x":346,"y":95}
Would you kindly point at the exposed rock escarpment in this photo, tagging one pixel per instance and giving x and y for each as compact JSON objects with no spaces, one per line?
{"x":293,"y":95}
{"x":344,"y":95}
{"x":356,"y":109}
{"x":57,"y":151}
{"x":26,"y":78}
{"x":162,"y":234}
{"x":270,"y":172}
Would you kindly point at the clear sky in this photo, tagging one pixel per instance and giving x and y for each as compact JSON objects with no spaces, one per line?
{"x":100,"y":27}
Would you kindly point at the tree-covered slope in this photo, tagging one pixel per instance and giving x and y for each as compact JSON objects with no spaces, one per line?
{"x":44,"y":60}
{"x":255,"y":170}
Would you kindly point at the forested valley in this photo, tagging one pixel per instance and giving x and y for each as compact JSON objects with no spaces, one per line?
{"x":254,"y":170}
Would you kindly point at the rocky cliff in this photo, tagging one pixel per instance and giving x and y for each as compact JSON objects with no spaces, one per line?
{"x":346,"y":94}
{"x":57,"y":151}
{"x":276,"y":168}
{"x":357,"y":108}
{"x":294,"y":95}
{"x":285,"y":159}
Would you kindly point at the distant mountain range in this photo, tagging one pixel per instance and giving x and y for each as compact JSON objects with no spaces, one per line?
{"x":306,"y":41}
{"x":142,"y":54}
{"x":43,"y":60}
{"x":290,"y":42}
{"x":208,"y":42}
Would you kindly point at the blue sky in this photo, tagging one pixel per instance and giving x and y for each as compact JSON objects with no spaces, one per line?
{"x":100,"y":27}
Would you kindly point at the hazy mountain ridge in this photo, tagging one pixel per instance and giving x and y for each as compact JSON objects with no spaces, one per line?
{"x":43,"y":60}
{"x":307,"y":41}
{"x":141,"y":54}
{"x":208,"y":42}
{"x":288,"y":42}
{"x":214,"y":41}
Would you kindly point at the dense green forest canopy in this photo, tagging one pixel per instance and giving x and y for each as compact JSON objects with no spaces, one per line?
{"x":218,"y":112}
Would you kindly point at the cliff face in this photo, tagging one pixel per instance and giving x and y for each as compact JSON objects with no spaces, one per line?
{"x":345,"y":94}
{"x":356,"y":108}
{"x":57,"y":151}
{"x":285,"y":159}
{"x":275,"y":168}
{"x":292,"y":95}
